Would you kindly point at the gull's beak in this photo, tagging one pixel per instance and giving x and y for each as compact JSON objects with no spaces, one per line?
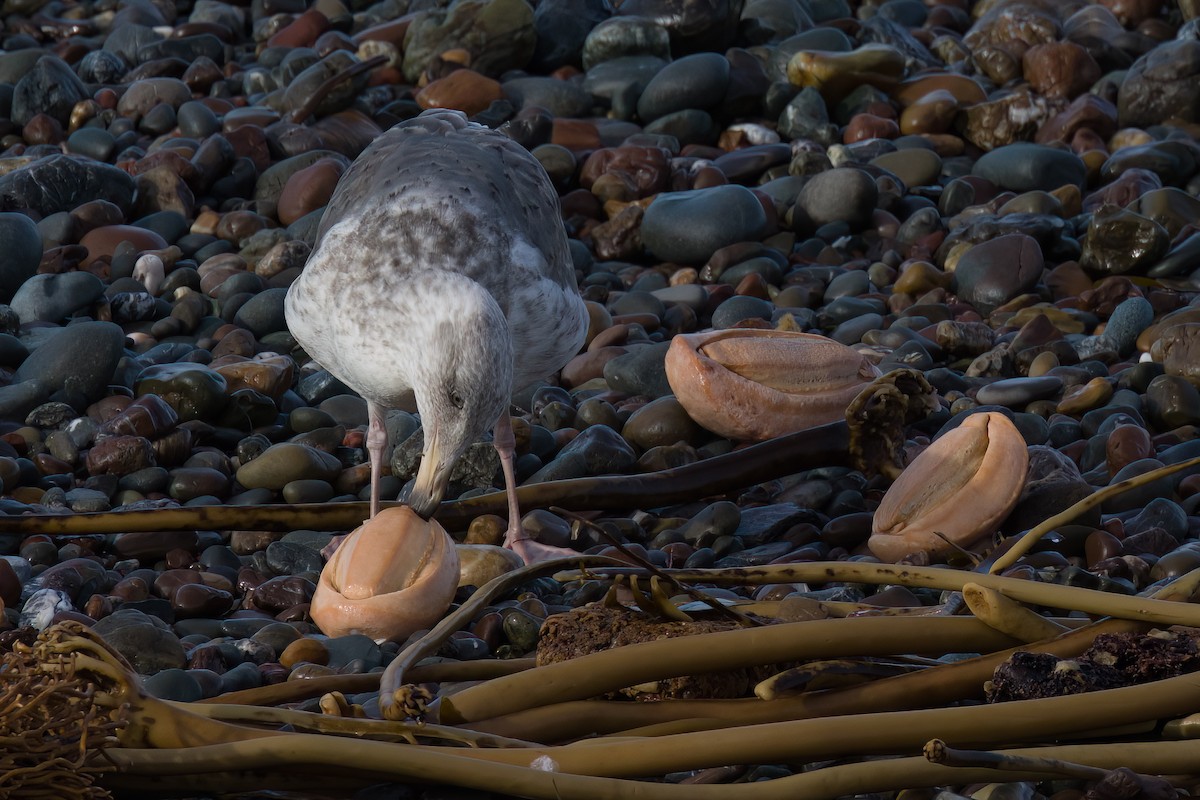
{"x":432,"y":477}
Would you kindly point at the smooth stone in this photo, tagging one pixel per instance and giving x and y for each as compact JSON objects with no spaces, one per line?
{"x":286,"y":462}
{"x":1162,"y":514}
{"x":739,"y":308}
{"x":193,"y":390}
{"x":625,"y":36}
{"x":1053,"y":484}
{"x":51,"y":87}
{"x":498,"y":34}
{"x":1172,"y":402}
{"x":916,"y":166}
{"x":50,"y":298}
{"x":353,"y":647}
{"x":65,"y":182}
{"x":993,"y":272}
{"x":597,"y":450}
{"x":640,"y":371}
{"x":283,"y":592}
{"x":1120,"y":242}
{"x":80,"y":358}
{"x":688,"y":227}
{"x":173,"y":684}
{"x":1162,"y":84}
{"x":661,"y":422}
{"x":1180,"y":345}
{"x":200,"y":600}
{"x":263,"y":314}
{"x":695,"y":81}
{"x":1138,"y":497}
{"x":844,"y":194}
{"x":1024,"y":166}
{"x":145,"y":642}
{"x":21,"y":243}
{"x":288,"y":558}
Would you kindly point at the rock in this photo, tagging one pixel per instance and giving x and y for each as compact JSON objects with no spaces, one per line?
{"x":286,"y":462}
{"x":1024,"y":166}
{"x":688,"y":227}
{"x":640,"y":371}
{"x":1162,"y":84}
{"x":992,"y":273}
{"x":21,"y":244}
{"x":598,"y":450}
{"x":499,"y":35}
{"x":144,"y":641}
{"x":1121,"y":242}
{"x":50,"y":298}
{"x":78,"y":360}
{"x":844,"y":195}
{"x":695,"y":81}
{"x":50,"y":87}
{"x":62,"y":183}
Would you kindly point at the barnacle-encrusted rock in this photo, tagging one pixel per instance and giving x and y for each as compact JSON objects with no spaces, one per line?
{"x":755,"y":384}
{"x":391,"y":577}
{"x":956,"y":491}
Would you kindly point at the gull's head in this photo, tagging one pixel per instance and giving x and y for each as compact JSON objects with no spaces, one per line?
{"x":464,"y":384}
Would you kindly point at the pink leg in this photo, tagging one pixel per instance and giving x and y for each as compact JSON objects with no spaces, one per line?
{"x":376,"y":442}
{"x":515,"y":538}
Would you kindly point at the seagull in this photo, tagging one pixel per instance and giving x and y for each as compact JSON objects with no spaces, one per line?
{"x":441,"y":271}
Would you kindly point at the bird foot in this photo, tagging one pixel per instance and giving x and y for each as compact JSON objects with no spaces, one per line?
{"x":534,"y":552}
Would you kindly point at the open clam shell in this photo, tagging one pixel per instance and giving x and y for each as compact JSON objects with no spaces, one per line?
{"x":754,"y":385}
{"x":394,"y":575}
{"x":955,"y":492}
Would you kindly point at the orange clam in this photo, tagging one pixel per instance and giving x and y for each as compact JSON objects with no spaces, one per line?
{"x":394,"y":575}
{"x":754,"y":385}
{"x":954,"y":493}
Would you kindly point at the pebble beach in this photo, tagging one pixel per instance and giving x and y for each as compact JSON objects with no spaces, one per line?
{"x":1002,"y":196}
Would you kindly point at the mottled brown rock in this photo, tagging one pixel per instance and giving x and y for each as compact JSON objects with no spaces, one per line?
{"x":1180,"y":346}
{"x":1059,"y":69}
{"x":307,"y":190}
{"x":1004,"y":120}
{"x":120,"y":455}
{"x":648,"y":168}
{"x":271,"y":375}
{"x":103,"y":241}
{"x":463,"y":89}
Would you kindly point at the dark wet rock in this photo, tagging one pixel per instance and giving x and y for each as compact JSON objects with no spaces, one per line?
{"x":598,"y":450}
{"x":78,"y":360}
{"x":499,"y":35}
{"x":562,"y":28}
{"x":50,"y":298}
{"x":50,"y":87}
{"x":693,"y":82}
{"x":1120,"y":242}
{"x":838,"y":195}
{"x":640,"y":371}
{"x":1024,"y":166}
{"x":992,"y":273}
{"x":145,"y":642}
{"x":688,"y":227}
{"x":1053,"y":484}
{"x":62,"y":183}
{"x":693,"y":25}
{"x":21,"y":244}
{"x":1162,"y":84}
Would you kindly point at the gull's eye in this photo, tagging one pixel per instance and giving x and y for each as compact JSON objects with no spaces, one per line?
{"x":457,"y":400}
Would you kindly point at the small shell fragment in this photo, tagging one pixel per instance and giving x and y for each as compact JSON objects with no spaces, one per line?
{"x":753,"y":385}
{"x":962,"y":487}
{"x":394,"y":575}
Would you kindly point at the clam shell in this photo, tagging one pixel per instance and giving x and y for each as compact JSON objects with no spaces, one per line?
{"x":754,"y":384}
{"x":394,"y":575}
{"x":962,"y":487}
